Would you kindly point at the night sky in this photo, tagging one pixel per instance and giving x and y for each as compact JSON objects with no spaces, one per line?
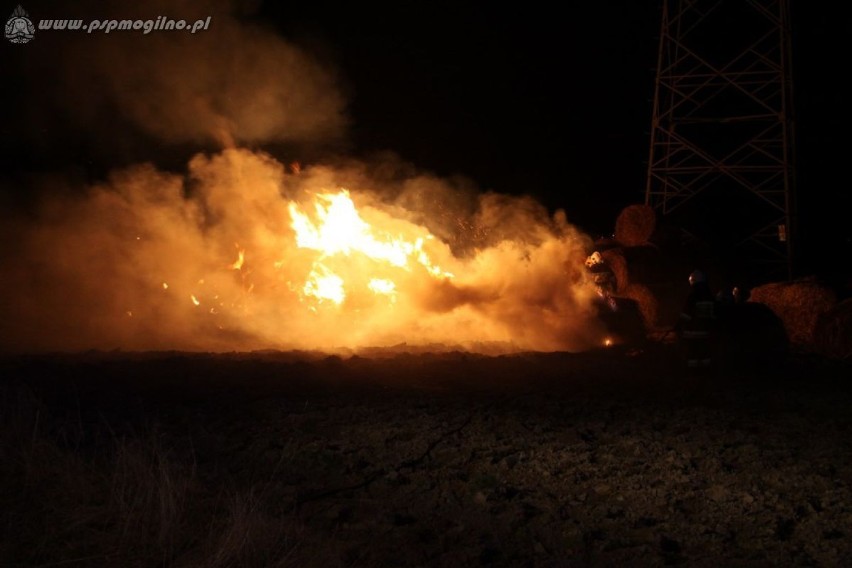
{"x":521,"y":100}
{"x":524,"y":99}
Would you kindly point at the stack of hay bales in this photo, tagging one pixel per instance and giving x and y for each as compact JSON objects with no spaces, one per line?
{"x":798,"y":304}
{"x":633,"y":230}
{"x":649,"y":266}
{"x":646,"y":301}
{"x":833,"y":333}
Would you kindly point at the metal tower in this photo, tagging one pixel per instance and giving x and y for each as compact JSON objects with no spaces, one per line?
{"x":721,"y":152}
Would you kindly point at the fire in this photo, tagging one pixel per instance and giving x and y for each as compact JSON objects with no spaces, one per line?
{"x":382,"y":286}
{"x":607,"y":342}
{"x":337,"y":230}
{"x":241,"y":258}
{"x":269,"y":258}
{"x":324,"y":285}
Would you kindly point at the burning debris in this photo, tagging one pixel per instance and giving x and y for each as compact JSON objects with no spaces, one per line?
{"x":246,"y":256}
{"x":247,"y":252}
{"x":339,"y":231}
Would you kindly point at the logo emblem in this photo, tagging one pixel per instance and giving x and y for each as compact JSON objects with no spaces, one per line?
{"x":19,"y":28}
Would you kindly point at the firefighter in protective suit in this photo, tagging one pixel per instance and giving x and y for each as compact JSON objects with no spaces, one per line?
{"x":603,"y":277}
{"x":697,"y":321}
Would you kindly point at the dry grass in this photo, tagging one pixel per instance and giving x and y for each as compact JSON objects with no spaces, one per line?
{"x":798,"y":305}
{"x":121,"y":501}
{"x":425,"y":460}
{"x":635,"y":225}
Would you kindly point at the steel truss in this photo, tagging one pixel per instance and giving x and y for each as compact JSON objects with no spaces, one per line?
{"x":722,"y":129}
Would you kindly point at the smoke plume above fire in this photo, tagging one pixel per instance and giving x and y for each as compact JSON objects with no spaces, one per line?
{"x":241,"y":251}
{"x":236,"y":83}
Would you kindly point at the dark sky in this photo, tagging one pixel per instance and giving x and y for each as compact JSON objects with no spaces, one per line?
{"x":525,"y":98}
{"x":556,"y":102}
{"x":538,"y":100}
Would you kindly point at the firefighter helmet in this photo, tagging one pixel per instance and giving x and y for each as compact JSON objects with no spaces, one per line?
{"x":696,"y":277}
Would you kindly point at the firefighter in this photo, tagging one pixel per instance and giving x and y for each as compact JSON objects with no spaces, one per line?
{"x":602,"y":274}
{"x":696,"y":323}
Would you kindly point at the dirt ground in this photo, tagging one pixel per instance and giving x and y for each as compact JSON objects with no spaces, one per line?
{"x":609,"y":458}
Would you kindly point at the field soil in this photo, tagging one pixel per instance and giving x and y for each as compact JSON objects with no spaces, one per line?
{"x":613,"y":457}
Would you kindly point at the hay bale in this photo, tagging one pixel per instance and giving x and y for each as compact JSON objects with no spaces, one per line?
{"x":799,"y":304}
{"x":614,"y":258}
{"x":664,"y":275}
{"x":635,"y":225}
{"x":833,"y":333}
{"x":646,"y":301}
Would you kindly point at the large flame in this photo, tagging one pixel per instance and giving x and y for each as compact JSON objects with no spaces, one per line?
{"x":247,"y":257}
{"x":339,"y":231}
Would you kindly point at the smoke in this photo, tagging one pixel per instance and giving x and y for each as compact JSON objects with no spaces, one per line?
{"x":209,"y":261}
{"x":209,"y":258}
{"x":234,"y":83}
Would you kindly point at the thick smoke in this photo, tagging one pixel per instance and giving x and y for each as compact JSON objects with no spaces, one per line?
{"x":207,"y":259}
{"x":152,"y":260}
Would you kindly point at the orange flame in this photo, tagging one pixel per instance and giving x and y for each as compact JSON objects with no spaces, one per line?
{"x":337,"y":229}
{"x":313,"y":268}
{"x":324,"y":285}
{"x":238,"y":264}
{"x":382,"y":286}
